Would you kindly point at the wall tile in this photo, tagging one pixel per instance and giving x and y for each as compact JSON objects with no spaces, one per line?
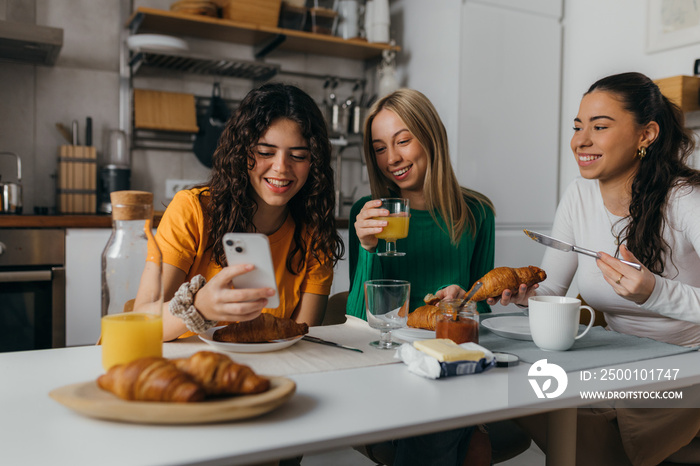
{"x":17,"y":126}
{"x":64,"y":95}
{"x":90,"y":31}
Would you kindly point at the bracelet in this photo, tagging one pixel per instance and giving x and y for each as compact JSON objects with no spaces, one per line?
{"x":182,"y":306}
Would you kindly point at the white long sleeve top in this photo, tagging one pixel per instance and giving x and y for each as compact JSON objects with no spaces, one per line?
{"x":672,"y":312}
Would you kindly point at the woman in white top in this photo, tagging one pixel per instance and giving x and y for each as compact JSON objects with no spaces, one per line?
{"x":637,"y":199}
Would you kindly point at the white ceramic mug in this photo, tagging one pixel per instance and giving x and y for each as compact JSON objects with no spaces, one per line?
{"x":554,"y":321}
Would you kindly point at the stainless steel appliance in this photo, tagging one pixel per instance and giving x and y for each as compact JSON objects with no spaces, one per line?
{"x":116,"y":174}
{"x":30,"y":43}
{"x":32,"y":289}
{"x":11,"y":193}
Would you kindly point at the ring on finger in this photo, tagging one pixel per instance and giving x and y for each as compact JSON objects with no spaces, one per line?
{"x":618,"y":280}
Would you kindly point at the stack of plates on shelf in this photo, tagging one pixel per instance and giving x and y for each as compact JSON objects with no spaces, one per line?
{"x":156,"y":42}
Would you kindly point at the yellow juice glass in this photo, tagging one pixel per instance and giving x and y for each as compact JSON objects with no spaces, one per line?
{"x":397,"y":224}
{"x":397,"y":227}
{"x":129,"y":336}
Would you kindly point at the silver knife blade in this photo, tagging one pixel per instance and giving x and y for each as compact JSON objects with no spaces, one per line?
{"x":567,"y":247}
{"x":329,"y":343}
{"x":549,"y":241}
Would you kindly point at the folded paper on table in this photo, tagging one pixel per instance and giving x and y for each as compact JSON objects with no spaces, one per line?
{"x":304,"y":357}
{"x":422,"y":364}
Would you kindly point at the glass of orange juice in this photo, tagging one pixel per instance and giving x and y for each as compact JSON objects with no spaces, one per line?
{"x":397,"y":226}
{"x":132,"y":292}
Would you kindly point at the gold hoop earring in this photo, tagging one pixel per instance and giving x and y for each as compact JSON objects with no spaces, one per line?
{"x":642,"y":152}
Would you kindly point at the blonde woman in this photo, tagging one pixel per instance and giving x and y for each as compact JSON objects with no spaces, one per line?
{"x":450,"y":242}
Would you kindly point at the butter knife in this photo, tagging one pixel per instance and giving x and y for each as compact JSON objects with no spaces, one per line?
{"x":329,"y":343}
{"x":566,"y":247}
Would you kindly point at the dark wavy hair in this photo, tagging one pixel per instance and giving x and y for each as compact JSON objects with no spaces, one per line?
{"x":662,"y":169}
{"x":231,"y":207}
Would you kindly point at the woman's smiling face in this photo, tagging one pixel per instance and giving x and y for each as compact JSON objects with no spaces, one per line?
{"x":400,"y":157}
{"x":282,"y":164}
{"x":606,"y":138}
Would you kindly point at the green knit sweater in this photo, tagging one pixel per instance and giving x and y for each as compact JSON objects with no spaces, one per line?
{"x":431,"y":261}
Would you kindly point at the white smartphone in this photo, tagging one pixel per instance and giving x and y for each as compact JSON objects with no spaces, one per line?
{"x":252,"y":248}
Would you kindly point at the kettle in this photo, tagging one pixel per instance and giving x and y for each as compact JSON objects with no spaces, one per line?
{"x":11,"y":193}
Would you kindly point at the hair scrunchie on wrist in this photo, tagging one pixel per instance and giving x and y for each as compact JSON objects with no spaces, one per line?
{"x":182,"y":306}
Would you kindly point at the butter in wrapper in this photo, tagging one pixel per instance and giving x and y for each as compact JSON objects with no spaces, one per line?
{"x":427,"y":366}
{"x":449,"y":369}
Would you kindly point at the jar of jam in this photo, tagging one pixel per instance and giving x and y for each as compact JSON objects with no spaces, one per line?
{"x":460,"y":326}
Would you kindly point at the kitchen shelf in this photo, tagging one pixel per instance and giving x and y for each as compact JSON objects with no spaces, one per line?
{"x":264,"y":38}
{"x":206,"y":65}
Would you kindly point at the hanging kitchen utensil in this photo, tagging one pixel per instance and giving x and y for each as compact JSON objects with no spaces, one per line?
{"x":211,"y":125}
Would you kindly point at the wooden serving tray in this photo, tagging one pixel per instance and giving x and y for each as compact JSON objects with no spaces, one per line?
{"x":90,"y":400}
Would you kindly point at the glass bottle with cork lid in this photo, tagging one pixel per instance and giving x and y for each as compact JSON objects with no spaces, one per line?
{"x":132,"y":326}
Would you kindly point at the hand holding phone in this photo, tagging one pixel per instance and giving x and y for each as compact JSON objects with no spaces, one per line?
{"x":252,"y":248}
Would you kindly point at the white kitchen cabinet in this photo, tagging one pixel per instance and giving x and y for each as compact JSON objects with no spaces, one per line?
{"x":509,"y":93}
{"x":341,"y":273}
{"x":84,"y":284}
{"x":509,"y":107}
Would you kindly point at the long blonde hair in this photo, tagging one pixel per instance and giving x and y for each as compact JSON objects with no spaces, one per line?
{"x":441,"y":190}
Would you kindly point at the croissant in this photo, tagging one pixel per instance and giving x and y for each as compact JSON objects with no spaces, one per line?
{"x":219,"y":375}
{"x":431,"y":299}
{"x":507,"y":278}
{"x":423,"y":317}
{"x":150,"y":379}
{"x":265,"y":327}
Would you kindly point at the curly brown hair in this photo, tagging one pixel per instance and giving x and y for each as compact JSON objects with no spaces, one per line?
{"x":231,"y":206}
{"x":664,"y":167}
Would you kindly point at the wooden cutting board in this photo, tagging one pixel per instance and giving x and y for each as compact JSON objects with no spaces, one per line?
{"x":164,"y":111}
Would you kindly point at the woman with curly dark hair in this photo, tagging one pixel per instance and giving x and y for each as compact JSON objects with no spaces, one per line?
{"x":271,"y":174}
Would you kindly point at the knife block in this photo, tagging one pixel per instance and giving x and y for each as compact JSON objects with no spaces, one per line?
{"x":77,"y":180}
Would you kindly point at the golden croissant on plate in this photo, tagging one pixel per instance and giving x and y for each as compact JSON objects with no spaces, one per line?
{"x":204,"y":374}
{"x":500,"y":279}
{"x":265,"y":327}
{"x":425,"y":317}
{"x":219,"y":375}
{"x":151,"y":379}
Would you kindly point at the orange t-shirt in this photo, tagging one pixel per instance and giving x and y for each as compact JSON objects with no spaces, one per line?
{"x":183,"y":240}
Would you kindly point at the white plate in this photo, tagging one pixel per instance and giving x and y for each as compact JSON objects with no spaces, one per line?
{"x":515,"y":327}
{"x":156,"y":42}
{"x":413,"y":334}
{"x":276,"y":345}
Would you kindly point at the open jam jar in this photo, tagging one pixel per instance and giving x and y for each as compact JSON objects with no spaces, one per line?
{"x":459,"y":326}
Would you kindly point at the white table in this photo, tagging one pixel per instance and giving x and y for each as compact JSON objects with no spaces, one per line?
{"x":330,"y":410}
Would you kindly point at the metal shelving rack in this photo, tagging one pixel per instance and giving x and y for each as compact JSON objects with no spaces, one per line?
{"x":263,"y":39}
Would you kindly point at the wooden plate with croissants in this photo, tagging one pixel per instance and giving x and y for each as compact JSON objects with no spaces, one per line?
{"x":205,"y":387}
{"x":88,"y":399}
